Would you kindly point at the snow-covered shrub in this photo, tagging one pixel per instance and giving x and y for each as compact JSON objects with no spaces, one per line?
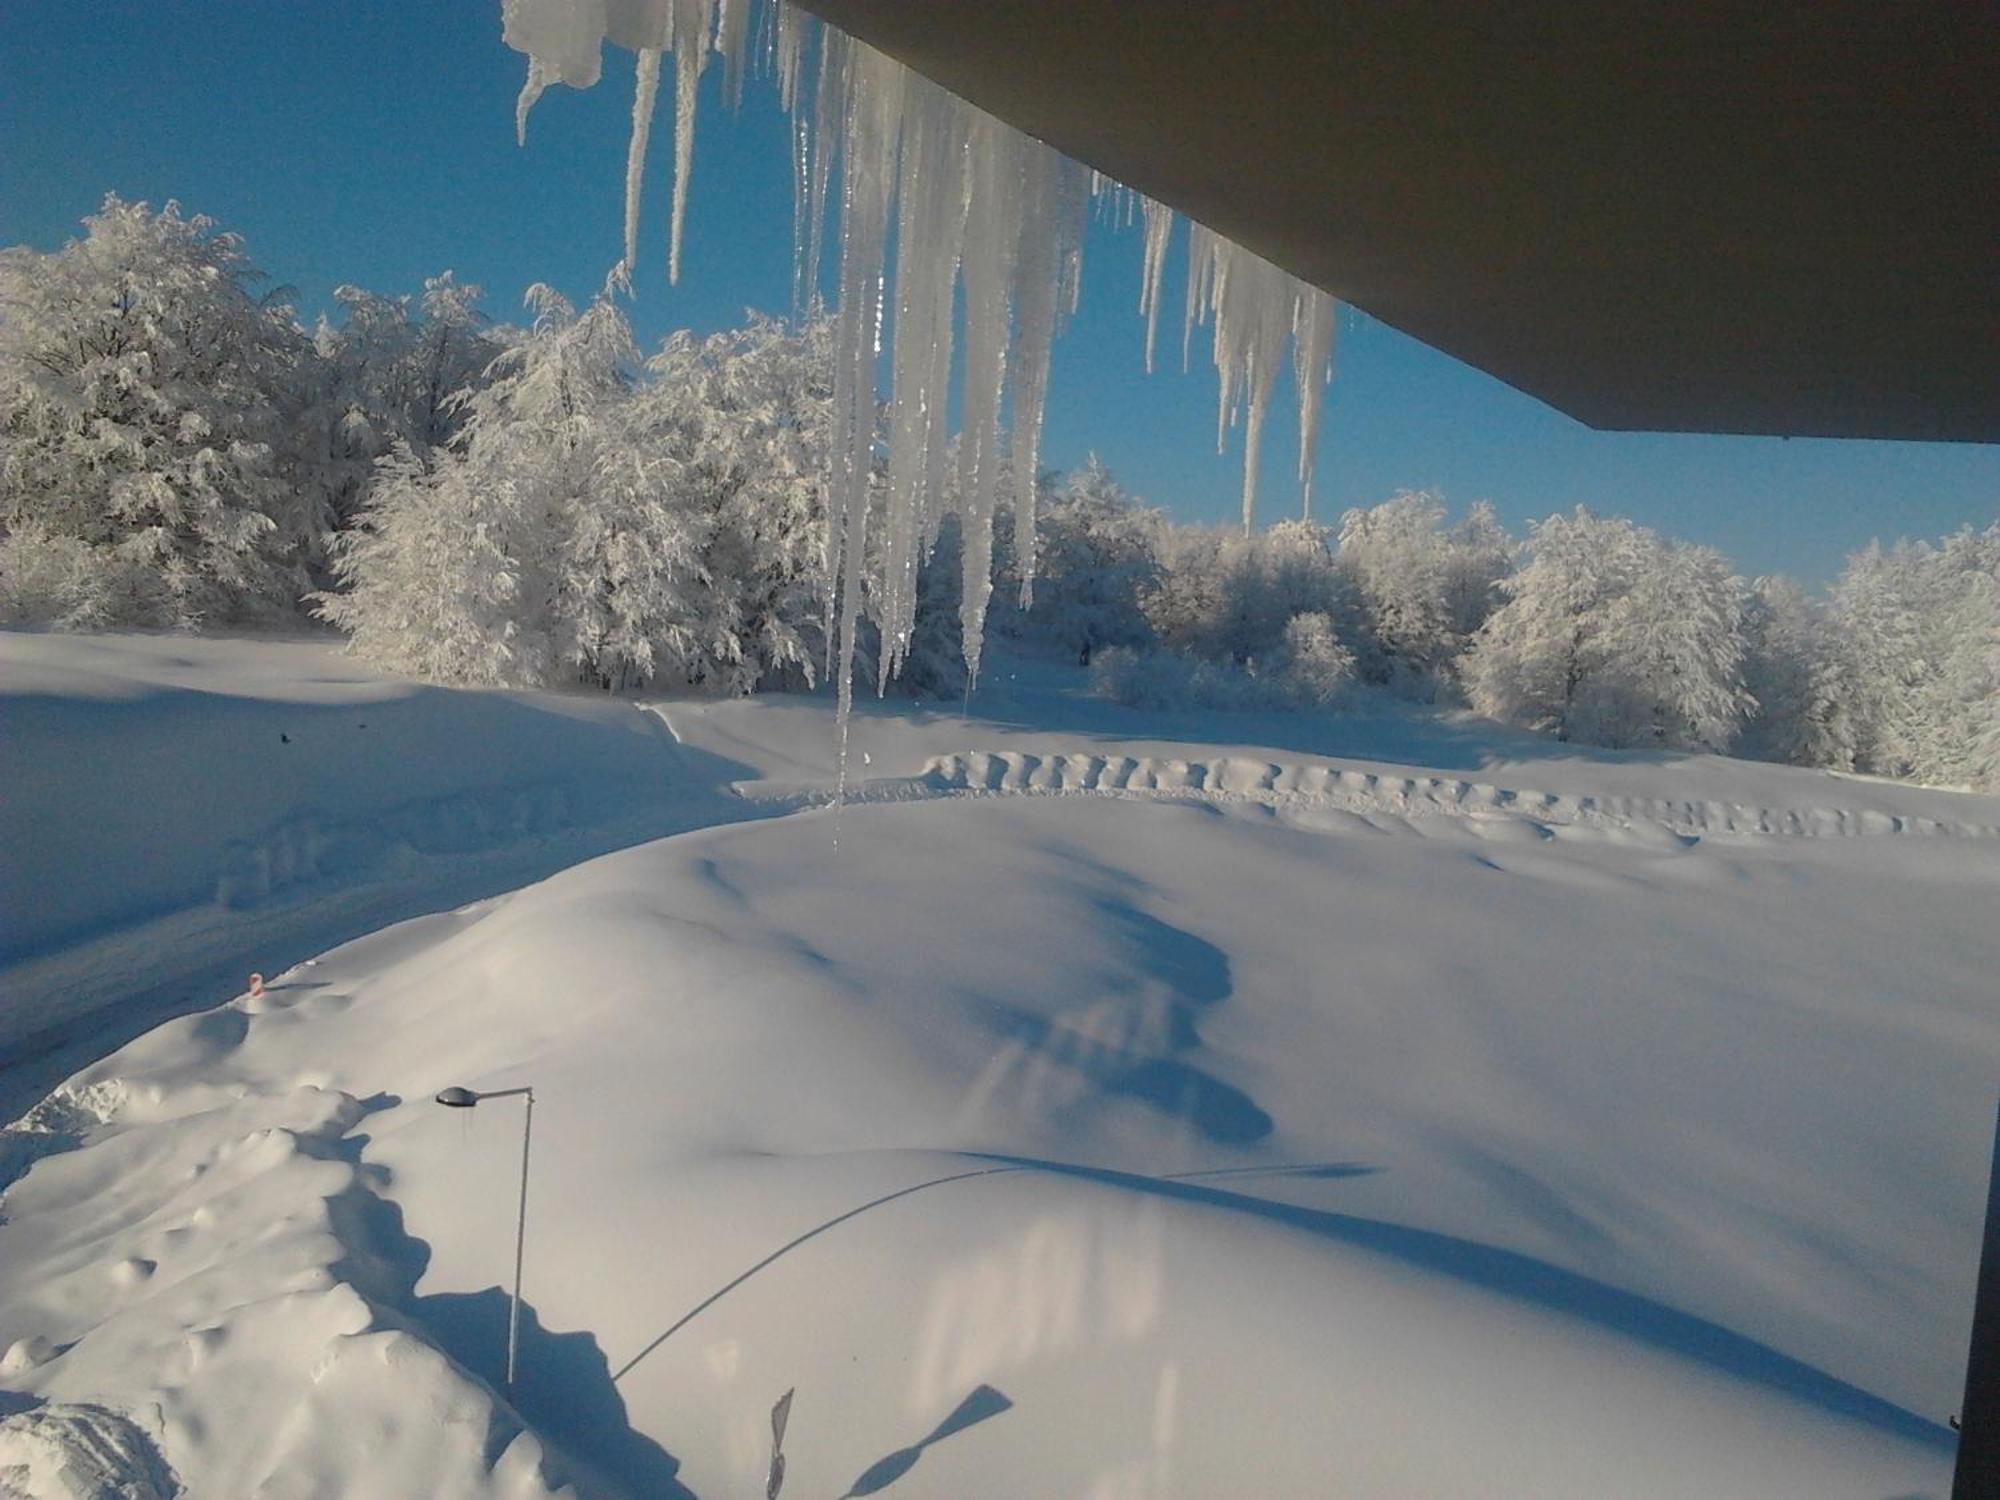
{"x":63,"y":582}
{"x":1178,"y":680}
{"x":1311,"y":669}
{"x":1228,"y":597}
{"x":148,"y":404}
{"x":1314,"y":667}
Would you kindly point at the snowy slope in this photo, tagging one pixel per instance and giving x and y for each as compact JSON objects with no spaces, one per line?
{"x":176,"y":813}
{"x":1341,"y":1130}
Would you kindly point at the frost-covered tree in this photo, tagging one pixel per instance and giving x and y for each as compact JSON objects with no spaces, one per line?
{"x":149,"y":411}
{"x":1425,"y":587}
{"x":1917,"y":622}
{"x":739,"y":427}
{"x":1315,"y":667}
{"x":1531,"y":662}
{"x":396,"y":370}
{"x":1228,"y":596}
{"x":1098,"y":554}
{"x":1612,"y":634}
{"x":618,"y":528}
{"x":1796,"y":670}
{"x":501,"y":562}
{"x":1667,"y":660}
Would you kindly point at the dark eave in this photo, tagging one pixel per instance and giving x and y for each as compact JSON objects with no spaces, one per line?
{"x":1727,"y":217}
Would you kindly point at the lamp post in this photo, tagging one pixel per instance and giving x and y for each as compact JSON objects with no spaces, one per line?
{"x":461,"y":1098}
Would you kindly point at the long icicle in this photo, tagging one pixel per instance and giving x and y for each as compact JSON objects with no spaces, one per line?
{"x":645,"y":94}
{"x":993,"y":190}
{"x":1159,"y":231}
{"x":1312,"y":356}
{"x":868,"y":155}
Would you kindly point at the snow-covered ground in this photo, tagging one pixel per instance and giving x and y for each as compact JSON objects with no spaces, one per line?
{"x":1100,"y":1104}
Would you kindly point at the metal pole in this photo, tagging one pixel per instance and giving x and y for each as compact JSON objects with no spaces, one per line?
{"x":1978,"y":1475}
{"x":520,"y":1241}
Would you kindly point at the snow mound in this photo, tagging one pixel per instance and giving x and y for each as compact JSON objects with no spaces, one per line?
{"x":216,"y":1256}
{"x":1213,"y":1148}
{"x":80,"y":1452}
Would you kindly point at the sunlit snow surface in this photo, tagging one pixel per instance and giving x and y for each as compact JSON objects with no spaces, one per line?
{"x":1364,"y":1106}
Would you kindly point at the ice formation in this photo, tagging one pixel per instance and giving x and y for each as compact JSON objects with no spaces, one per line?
{"x":970,"y":203}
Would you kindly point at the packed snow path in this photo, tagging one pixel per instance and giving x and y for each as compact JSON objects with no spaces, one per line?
{"x":1305,"y":787}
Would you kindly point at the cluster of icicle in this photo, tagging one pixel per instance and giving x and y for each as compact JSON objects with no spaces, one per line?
{"x":967,"y":201}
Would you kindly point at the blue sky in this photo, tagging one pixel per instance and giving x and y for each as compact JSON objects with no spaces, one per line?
{"x":371,"y":141}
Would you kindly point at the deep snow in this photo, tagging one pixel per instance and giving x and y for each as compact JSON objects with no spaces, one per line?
{"x":1374,"y":1106}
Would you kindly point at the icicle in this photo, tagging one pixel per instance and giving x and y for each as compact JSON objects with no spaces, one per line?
{"x":1050,"y":237}
{"x":971,"y":197}
{"x":531,"y":90}
{"x":992,"y":248}
{"x":644,"y":94}
{"x":690,"y":33}
{"x":732,"y":30}
{"x":1256,"y":308}
{"x":930,"y":231}
{"x":1159,"y":230}
{"x":1202,"y":242}
{"x":830,"y":108}
{"x":791,"y":40}
{"x":870,"y":136}
{"x":564,"y":43}
{"x":1312,"y":367}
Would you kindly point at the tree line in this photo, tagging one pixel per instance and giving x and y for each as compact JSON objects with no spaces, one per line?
{"x":539,"y":505}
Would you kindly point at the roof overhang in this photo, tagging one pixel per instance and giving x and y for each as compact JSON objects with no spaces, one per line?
{"x":1752,"y":216}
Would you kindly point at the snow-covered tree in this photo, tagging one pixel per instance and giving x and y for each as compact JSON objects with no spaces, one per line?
{"x":1796,"y":670}
{"x":395,"y":370}
{"x":149,"y":404}
{"x":501,"y":562}
{"x":1425,"y":587}
{"x":1917,"y":622}
{"x":1098,"y":552}
{"x":1314,"y":666}
{"x":740,"y":425}
{"x":1614,"y":635}
{"x":1228,"y":596}
{"x":619,"y":528}
{"x":1667,"y":659}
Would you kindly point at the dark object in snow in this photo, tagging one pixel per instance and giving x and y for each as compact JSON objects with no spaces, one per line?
{"x":1977,"y":1471}
{"x":780,"y":1415}
{"x":283,"y":738}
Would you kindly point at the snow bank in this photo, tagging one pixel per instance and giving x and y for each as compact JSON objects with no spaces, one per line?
{"x":149,"y":774}
{"x":177,"y":812}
